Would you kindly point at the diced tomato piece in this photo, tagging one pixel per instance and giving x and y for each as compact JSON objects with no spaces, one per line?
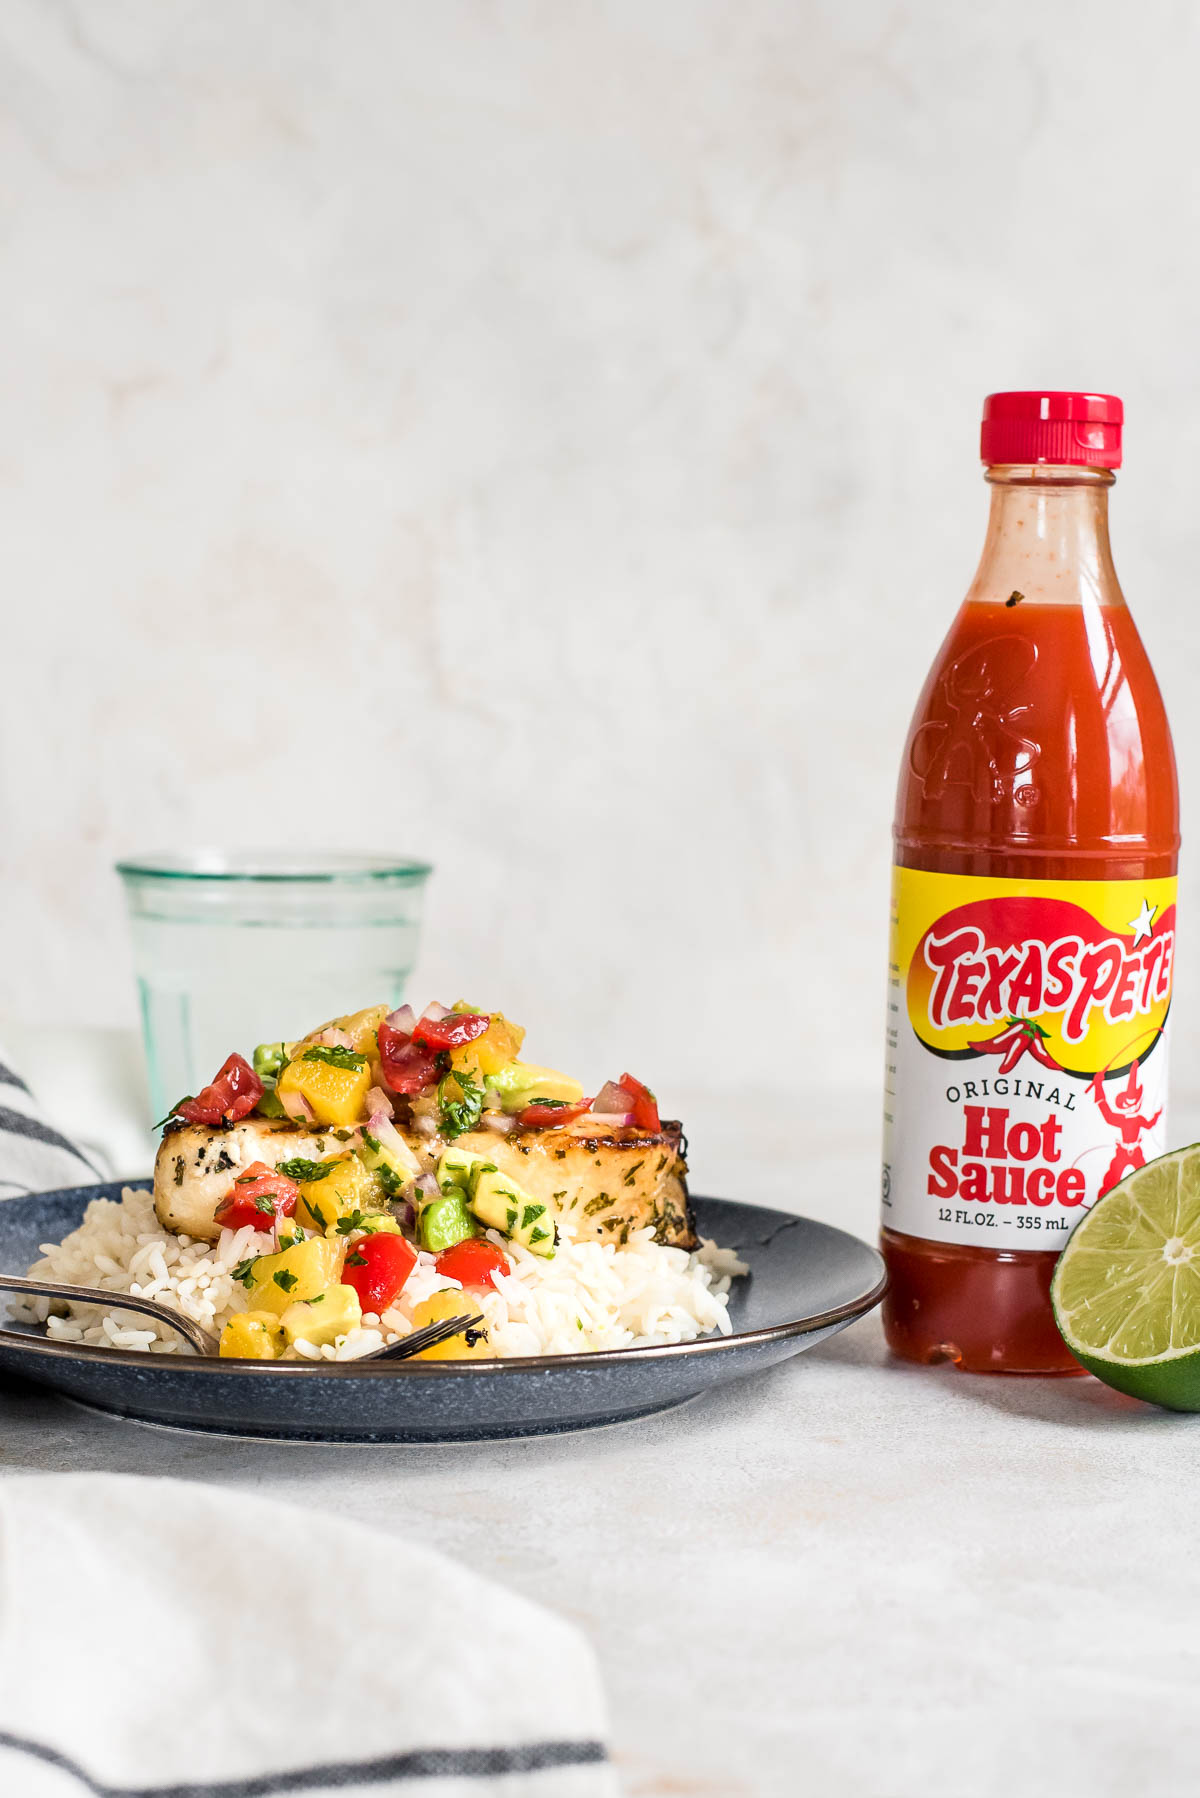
{"x":452,"y":1031}
{"x":377,"y":1267}
{"x":546,"y":1117}
{"x":473,"y":1262}
{"x":232,"y":1096}
{"x":644,"y":1105}
{"x":407,"y":1066}
{"x":260,"y":1197}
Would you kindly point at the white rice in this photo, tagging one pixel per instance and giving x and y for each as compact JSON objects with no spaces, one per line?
{"x":591,"y":1295}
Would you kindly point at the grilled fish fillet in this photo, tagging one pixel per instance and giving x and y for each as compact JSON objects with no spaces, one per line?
{"x":607,"y":1182}
{"x":196,"y":1166}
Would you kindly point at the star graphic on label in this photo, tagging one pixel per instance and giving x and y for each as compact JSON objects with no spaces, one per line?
{"x":1143,"y":925}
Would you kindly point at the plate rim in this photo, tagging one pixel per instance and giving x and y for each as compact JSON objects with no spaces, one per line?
{"x":203,"y":1367}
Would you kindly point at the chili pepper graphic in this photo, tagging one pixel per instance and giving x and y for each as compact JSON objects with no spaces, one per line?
{"x":1020,"y":1036}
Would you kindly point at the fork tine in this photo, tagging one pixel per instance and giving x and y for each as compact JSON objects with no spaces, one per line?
{"x":426,"y":1338}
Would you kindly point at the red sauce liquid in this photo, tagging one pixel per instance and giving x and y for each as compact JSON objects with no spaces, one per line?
{"x":1106,"y":808}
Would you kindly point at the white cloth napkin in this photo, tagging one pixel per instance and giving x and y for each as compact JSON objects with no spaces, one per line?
{"x":34,"y":1156}
{"x":164,"y":1640}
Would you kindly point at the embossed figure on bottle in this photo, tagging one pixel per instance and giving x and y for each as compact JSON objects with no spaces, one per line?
{"x":979,"y":743}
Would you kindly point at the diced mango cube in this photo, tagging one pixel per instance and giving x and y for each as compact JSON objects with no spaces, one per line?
{"x":348,"y":1187}
{"x":335,"y":1092}
{"x":276,"y":1281}
{"x":468,"y":1345}
{"x":322,"y":1319}
{"x":359,"y":1026}
{"x":252,"y":1336}
{"x":499,"y":1044}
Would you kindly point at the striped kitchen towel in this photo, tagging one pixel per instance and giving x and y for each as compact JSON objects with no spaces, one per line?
{"x":161,"y":1639}
{"x":34,"y":1155}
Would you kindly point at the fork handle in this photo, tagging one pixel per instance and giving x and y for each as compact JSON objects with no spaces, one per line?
{"x":200,"y":1339}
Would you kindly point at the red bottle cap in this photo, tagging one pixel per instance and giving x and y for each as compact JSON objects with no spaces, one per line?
{"x":1079,"y":428}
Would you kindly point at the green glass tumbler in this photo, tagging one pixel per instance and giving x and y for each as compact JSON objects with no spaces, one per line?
{"x":235,"y":949}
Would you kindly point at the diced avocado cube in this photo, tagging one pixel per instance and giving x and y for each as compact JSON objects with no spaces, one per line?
{"x":456,"y":1168}
{"x":269,"y":1104}
{"x":332,"y":1313}
{"x":445,"y":1221}
{"x":270,"y":1059}
{"x":507,"y":1207}
{"x":521,"y":1084}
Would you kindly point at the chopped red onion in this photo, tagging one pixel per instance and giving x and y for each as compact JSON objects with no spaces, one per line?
{"x":405,"y":1019}
{"x":334,"y":1039}
{"x":611,"y":1120}
{"x":378,"y":1101}
{"x":424,"y":1124}
{"x":499,"y":1121}
{"x":611,"y":1098}
{"x":381,"y":1127}
{"x":435,"y":1012}
{"x":429,"y":1186}
{"x":297,"y":1108}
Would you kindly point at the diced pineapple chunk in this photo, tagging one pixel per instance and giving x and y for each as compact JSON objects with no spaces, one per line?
{"x":468,"y":1345}
{"x":330,"y":1314}
{"x":336,"y":1093}
{"x":348,"y":1186}
{"x":252,"y":1336}
{"x":276,"y":1281}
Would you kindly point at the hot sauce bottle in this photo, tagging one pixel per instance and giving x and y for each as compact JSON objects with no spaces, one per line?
{"x":1033,"y":909}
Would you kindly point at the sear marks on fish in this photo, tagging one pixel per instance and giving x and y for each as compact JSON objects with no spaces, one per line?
{"x":607,"y":1183}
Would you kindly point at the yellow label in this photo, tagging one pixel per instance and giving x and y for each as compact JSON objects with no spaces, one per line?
{"x":1026,"y":1050}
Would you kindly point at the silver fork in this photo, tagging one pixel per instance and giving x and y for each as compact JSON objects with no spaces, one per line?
{"x":202,"y":1340}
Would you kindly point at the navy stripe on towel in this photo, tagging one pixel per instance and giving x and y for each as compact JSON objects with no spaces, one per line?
{"x":421,"y":1763}
{"x":8,"y":1078}
{"x":17,"y":1124}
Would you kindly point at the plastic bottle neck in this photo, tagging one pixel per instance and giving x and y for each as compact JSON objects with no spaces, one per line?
{"x":1047,"y":539}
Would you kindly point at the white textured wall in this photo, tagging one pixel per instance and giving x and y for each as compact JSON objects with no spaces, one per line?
{"x":542,"y":438}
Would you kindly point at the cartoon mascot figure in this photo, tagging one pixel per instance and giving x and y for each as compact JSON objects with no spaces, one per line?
{"x":1123,"y":1114}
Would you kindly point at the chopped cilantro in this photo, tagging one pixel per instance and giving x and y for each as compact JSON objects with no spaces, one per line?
{"x":285,"y":1278}
{"x":356,"y":1260}
{"x":461,"y":1114}
{"x":319,"y":1300}
{"x":335,"y":1058}
{"x":186,"y":1100}
{"x":530,"y":1215}
{"x":353,"y":1220}
{"x":299,"y":1169}
{"x":263,"y":1204}
{"x":243,"y":1271}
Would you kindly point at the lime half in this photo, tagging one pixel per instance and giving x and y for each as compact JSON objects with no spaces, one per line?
{"x":1126,"y":1291}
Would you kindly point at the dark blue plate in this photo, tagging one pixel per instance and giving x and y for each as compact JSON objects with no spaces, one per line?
{"x":807,"y":1281}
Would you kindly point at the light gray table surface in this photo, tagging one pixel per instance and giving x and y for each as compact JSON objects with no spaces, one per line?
{"x":842,"y":1577}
